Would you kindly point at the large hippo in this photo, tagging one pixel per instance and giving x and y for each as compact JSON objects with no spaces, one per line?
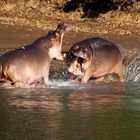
{"x":95,"y":57}
{"x":29,"y":64}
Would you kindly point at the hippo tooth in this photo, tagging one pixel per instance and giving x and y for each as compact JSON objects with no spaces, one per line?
{"x":23,"y":48}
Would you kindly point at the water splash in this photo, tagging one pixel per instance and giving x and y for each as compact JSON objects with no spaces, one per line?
{"x":132,"y":71}
{"x":130,"y":56}
{"x":59,"y":75}
{"x":131,"y":60}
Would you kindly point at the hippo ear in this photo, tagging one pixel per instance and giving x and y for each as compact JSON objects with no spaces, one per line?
{"x":62,"y":27}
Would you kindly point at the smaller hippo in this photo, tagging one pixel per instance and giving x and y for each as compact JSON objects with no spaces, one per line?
{"x":31,"y":63}
{"x":95,"y":57}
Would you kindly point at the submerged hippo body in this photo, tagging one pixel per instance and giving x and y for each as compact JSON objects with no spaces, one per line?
{"x":31,"y":63}
{"x":95,"y":57}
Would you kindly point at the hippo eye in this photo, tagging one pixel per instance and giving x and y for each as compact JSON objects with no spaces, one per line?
{"x":85,"y":50}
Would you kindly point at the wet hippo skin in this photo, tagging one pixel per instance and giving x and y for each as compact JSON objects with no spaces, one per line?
{"x":95,"y":57}
{"x":29,"y":64}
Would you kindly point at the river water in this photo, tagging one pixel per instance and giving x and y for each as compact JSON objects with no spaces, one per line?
{"x":72,"y":111}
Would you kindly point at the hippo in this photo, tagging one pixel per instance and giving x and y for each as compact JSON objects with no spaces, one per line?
{"x":30,"y":64}
{"x":94,"y":57}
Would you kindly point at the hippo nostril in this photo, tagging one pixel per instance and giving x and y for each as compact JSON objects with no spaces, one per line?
{"x":82,"y":70}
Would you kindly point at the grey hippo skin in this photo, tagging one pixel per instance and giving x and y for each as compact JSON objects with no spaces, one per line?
{"x":31,"y":63}
{"x":95,"y":57}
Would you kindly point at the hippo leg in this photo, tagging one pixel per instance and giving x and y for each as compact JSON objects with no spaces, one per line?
{"x":120,"y":76}
{"x":118,"y":69}
{"x":86,"y":76}
{"x":46,"y":77}
{"x":46,"y":80}
{"x":9,"y":73}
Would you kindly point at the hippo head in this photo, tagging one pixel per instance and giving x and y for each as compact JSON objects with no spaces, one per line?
{"x":56,"y":37}
{"x":85,"y":54}
{"x":75,"y":65}
{"x":79,"y":59}
{"x":61,"y":28}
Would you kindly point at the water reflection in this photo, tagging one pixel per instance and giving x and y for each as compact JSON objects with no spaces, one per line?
{"x":88,"y":102}
{"x":54,"y":100}
{"x":29,"y":114}
{"x":102,"y":112}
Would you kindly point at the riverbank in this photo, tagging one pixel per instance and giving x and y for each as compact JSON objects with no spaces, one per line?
{"x":43,"y":15}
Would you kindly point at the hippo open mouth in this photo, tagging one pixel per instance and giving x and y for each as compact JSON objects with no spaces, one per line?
{"x":76,"y":60}
{"x":80,"y":60}
{"x":75,"y":65}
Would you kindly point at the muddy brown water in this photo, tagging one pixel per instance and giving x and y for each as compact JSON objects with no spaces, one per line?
{"x":71,"y":111}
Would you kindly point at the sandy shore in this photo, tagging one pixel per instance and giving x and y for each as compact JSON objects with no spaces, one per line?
{"x":44,"y":15}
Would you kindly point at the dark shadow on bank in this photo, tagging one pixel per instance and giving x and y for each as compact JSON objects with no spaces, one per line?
{"x":92,"y":8}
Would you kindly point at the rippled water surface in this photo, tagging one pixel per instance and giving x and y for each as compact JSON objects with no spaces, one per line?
{"x":72,"y":111}
{"x":97,"y":111}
